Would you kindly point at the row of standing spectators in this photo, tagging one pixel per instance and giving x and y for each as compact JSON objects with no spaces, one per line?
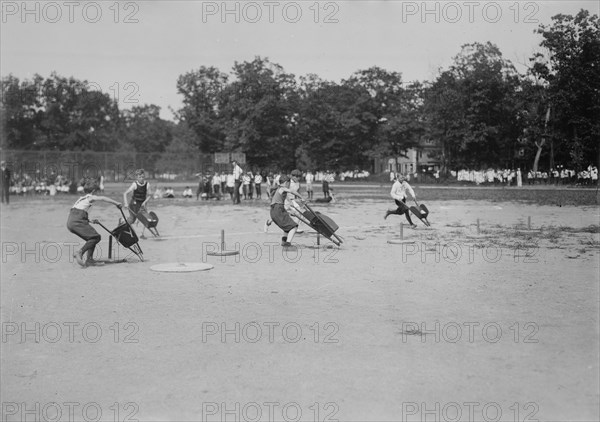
{"x":588,"y":176}
{"x":216,"y":185}
{"x":560,"y":175}
{"x":50,"y":185}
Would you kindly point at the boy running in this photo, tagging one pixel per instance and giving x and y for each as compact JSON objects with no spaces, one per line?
{"x":399,"y":190}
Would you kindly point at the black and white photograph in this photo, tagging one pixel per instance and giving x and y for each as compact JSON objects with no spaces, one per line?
{"x":300,"y":211}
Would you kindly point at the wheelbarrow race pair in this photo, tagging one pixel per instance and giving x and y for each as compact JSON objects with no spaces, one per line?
{"x":125,"y":235}
{"x":317,"y":221}
{"x":421,"y":212}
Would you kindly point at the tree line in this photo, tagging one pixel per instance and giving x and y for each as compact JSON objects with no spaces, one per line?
{"x":481,"y":111}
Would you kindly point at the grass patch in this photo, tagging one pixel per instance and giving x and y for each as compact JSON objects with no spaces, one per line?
{"x":552,"y":235}
{"x":593,"y":243}
{"x":589,"y":229}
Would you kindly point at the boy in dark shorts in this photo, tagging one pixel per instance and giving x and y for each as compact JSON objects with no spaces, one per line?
{"x":79,"y":224}
{"x":278,"y":213}
{"x":140,"y":189}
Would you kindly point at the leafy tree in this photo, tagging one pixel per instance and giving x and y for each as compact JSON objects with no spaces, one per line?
{"x":183,"y":144}
{"x":76,"y":117}
{"x":21,"y":112}
{"x":532,"y":120}
{"x":572,"y":77}
{"x":57,"y":113}
{"x":403,"y":123}
{"x":202,"y":90}
{"x":258,"y":108}
{"x":329,"y":124}
{"x":143,"y":130}
{"x":389,"y":113}
{"x":314,"y":123}
{"x":445,"y":117}
{"x":183,"y":139}
{"x":472,"y":108}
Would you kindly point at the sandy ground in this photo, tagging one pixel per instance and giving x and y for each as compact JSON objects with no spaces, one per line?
{"x":458,"y":325}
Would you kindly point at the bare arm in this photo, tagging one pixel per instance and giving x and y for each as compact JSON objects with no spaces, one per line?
{"x":297,"y":195}
{"x":95,"y":198}
{"x":131,"y":189}
{"x":410,"y":190}
{"x":148,"y":196}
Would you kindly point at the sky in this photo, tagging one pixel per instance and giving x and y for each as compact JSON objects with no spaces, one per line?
{"x":136,"y":50}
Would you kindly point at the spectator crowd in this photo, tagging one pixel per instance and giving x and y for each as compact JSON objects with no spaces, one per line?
{"x":257,"y":183}
{"x":51,"y":184}
{"x":512,"y":177}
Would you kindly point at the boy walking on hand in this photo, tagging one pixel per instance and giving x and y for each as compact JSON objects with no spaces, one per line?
{"x":78,"y":223}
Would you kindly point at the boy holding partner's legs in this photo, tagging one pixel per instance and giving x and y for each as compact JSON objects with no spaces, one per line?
{"x":141,"y":194}
{"x":399,"y":191}
{"x":278,"y":213}
{"x":289,"y":202}
{"x":140,"y":190}
{"x":79,"y":224}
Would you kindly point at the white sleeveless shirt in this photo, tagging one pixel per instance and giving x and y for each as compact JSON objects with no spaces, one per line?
{"x":83,"y":203}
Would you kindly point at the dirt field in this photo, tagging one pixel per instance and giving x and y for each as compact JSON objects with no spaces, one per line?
{"x":463,"y":324}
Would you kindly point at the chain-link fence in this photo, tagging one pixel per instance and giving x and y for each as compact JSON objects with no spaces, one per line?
{"x":114,"y":166}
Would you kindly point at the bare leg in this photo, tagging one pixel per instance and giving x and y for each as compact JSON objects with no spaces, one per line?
{"x":407,"y":214}
{"x":291,"y":234}
{"x":267,"y":224}
{"x":298,"y":222}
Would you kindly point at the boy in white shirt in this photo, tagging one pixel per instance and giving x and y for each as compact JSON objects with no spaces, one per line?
{"x":399,"y":190}
{"x":246,"y":179}
{"x":237,"y":175}
{"x":230,"y":183}
{"x":257,"y":182}
{"x":309,"y":183}
{"x":216,"y":184}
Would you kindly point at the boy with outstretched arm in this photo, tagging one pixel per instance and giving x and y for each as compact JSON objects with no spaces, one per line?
{"x":278,"y":213}
{"x":79,"y":223}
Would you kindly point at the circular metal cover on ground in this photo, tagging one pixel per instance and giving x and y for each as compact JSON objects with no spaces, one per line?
{"x":223,"y":253}
{"x":400,"y":242}
{"x":325,"y":246}
{"x":181,"y":267}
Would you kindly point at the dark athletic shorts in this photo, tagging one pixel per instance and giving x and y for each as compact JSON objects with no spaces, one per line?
{"x":281,"y":217}
{"x":79,"y":224}
{"x":134,"y":208}
{"x":402,"y":205}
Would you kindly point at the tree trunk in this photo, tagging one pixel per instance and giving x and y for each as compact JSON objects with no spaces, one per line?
{"x":536,"y":161}
{"x":445,"y":152}
{"x":551,"y":153}
{"x":540,"y":145}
